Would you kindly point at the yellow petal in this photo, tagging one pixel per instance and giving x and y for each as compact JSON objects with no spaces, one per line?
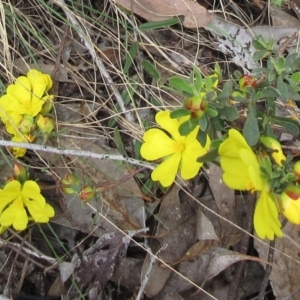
{"x":189,"y":165}
{"x":164,"y":120}
{"x":14,"y":215}
{"x":21,"y":90}
{"x":40,"y":214}
{"x":157,"y":145}
{"x":235,"y":174}
{"x":166,"y":172}
{"x":266,"y":223}
{"x":249,"y":158}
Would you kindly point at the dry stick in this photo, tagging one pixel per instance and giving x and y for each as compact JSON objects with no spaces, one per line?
{"x":147,"y":275}
{"x":264,"y":284}
{"x":49,"y":149}
{"x":97,"y":59}
{"x":239,"y":269}
{"x":60,"y":51}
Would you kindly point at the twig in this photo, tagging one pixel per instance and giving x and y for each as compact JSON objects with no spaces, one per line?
{"x":16,"y":247}
{"x":235,"y":284}
{"x":96,"y":58}
{"x":49,"y":149}
{"x":264,"y":284}
{"x":60,"y":51}
{"x":147,"y":275}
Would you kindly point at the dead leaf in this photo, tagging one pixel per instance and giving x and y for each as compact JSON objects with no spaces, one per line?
{"x":157,"y":279}
{"x":96,"y":266}
{"x":225,"y":200}
{"x":195,"y":15}
{"x":233,"y":40}
{"x":285,"y":278}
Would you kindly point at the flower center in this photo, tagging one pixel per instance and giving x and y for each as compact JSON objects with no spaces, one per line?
{"x":179,"y":147}
{"x":26,"y":103}
{"x":18,"y":203}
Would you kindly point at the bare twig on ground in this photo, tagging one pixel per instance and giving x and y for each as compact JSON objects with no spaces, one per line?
{"x":49,"y":149}
{"x":147,"y":275}
{"x":60,"y":51}
{"x":264,"y":284}
{"x":239,"y":269}
{"x":96,"y":58}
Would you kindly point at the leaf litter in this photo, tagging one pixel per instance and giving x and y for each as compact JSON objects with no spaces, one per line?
{"x":199,"y":244}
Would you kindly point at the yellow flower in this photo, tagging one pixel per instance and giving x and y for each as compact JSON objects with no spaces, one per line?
{"x":239,"y":163}
{"x":178,"y":152}
{"x":27,"y":95}
{"x":242,"y":172}
{"x":17,"y":200}
{"x":266,"y":222}
{"x":290,"y":204}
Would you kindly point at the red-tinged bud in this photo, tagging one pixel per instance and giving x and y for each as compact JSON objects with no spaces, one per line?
{"x":70,"y":184}
{"x":45,"y":124}
{"x":87,"y":194}
{"x":196,"y":105}
{"x":247,"y":80}
{"x":20,"y":173}
{"x":297,"y":170}
{"x":290,"y":203}
{"x":276,"y":148}
{"x":26,"y":125}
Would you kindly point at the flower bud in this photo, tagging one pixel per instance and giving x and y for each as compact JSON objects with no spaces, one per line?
{"x":274,"y":145}
{"x":20,"y":173}
{"x":48,"y":105}
{"x":87,"y":194}
{"x":45,"y":124}
{"x":247,"y":80}
{"x":297,"y":170}
{"x":70,"y":184}
{"x":26,"y":125}
{"x":290,"y":203}
{"x":197,"y":105}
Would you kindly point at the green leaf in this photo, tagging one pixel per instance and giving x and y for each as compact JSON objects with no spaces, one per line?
{"x":179,"y":112}
{"x":210,"y":110}
{"x":150,"y":68}
{"x":226,"y":92}
{"x":229,"y":113}
{"x":159,"y":24}
{"x":130,"y":55}
{"x":209,"y":156}
{"x":198,"y":79}
{"x":203,"y":122}
{"x":137,"y":149}
{"x":251,"y":130}
{"x":272,"y":75}
{"x":187,"y":127}
{"x":128,"y":93}
{"x":270,"y":92}
{"x":181,"y":85}
{"x":258,"y":55}
{"x":118,"y":141}
{"x":202,"y":137}
{"x":288,"y":124}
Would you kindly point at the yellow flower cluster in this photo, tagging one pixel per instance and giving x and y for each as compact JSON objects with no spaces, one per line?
{"x":21,"y":203}
{"x":22,"y":104}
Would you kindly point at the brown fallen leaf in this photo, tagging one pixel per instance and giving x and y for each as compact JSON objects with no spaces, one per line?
{"x":195,"y":15}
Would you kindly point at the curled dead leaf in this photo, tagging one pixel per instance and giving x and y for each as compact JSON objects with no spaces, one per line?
{"x":195,"y":15}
